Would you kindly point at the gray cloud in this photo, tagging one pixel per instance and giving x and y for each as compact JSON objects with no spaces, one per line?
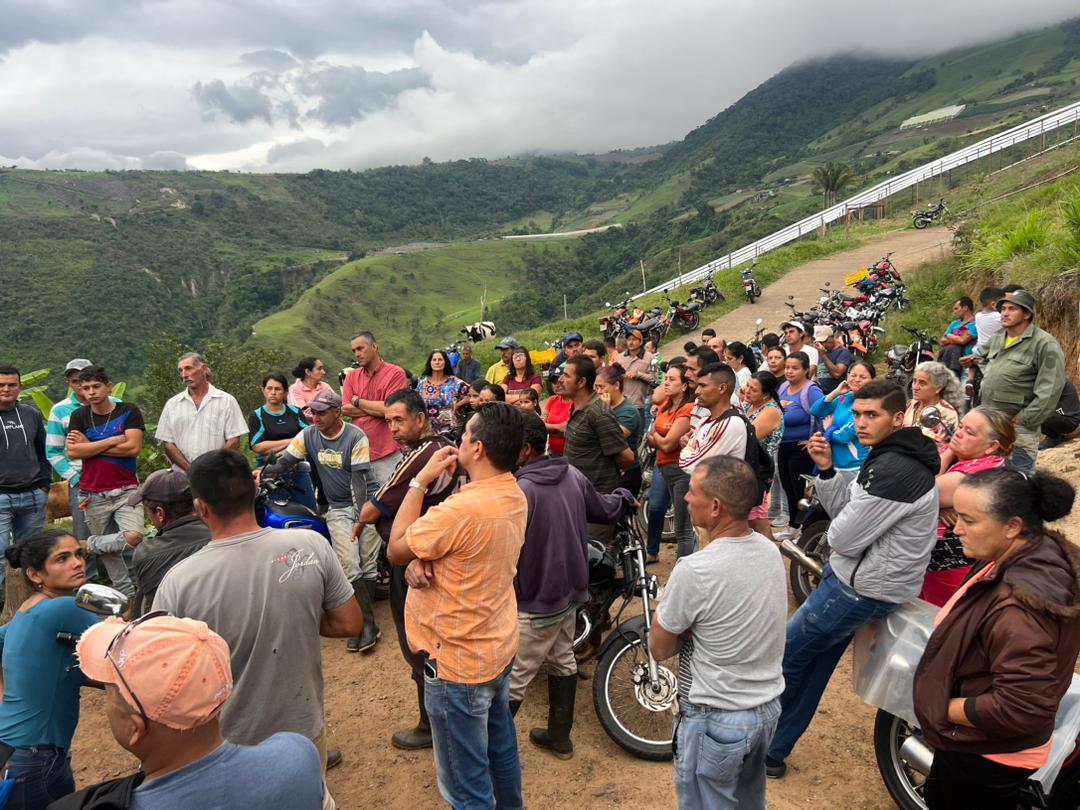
{"x":269,"y":59}
{"x":347,"y":94}
{"x":240,"y":103}
{"x":292,"y":86}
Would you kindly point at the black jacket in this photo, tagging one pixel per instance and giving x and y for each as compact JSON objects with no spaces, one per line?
{"x":112,"y":795}
{"x":156,"y":556}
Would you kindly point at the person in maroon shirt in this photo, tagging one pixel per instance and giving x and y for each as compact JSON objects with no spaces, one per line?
{"x":363,"y":396}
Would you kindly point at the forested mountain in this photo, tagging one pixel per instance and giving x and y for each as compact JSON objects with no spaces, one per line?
{"x":100,"y":264}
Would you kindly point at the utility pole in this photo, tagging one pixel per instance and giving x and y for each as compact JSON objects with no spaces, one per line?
{"x":483,"y":300}
{"x":565,"y":317}
{"x":644,"y":285}
{"x":679,"y":255}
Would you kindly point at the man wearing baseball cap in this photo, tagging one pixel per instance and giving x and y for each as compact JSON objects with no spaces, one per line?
{"x":340,"y":454}
{"x":166,"y":499}
{"x":165,"y":681}
{"x":797,"y":339}
{"x":835,"y":357}
{"x":498,"y":370}
{"x":1023,"y":374}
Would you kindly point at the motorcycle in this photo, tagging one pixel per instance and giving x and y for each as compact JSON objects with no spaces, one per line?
{"x":634,"y":694}
{"x":653,"y":326}
{"x":611,"y":325}
{"x":685,"y":316}
{"x":755,"y":343}
{"x":886,"y":654}
{"x":933,"y":212}
{"x":647,"y":459}
{"x":749,"y":283}
{"x":903,"y":359}
{"x":708,"y":293}
{"x":809,"y":553}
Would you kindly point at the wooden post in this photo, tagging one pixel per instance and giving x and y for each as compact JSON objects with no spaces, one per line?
{"x":565,"y":317}
{"x":644,"y":285}
{"x":18,"y":591}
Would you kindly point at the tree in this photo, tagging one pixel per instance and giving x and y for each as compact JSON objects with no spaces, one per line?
{"x":832,"y":178}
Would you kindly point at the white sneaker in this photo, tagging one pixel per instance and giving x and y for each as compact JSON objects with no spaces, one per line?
{"x":779,"y":521}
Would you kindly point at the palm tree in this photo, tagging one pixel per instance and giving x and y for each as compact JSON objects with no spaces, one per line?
{"x":832,"y":178}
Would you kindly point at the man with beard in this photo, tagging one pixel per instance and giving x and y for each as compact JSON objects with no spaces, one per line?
{"x":406,"y":416}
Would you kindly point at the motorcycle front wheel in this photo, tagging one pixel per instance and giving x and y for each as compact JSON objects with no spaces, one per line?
{"x":638,"y":719}
{"x":814,"y":542}
{"x":904,"y":783}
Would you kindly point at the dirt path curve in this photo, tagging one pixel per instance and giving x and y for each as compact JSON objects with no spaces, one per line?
{"x":909,"y":248}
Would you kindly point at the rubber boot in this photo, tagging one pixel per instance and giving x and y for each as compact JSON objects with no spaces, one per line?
{"x":353,"y":644}
{"x":514,"y":706}
{"x":418,"y":737}
{"x":365,"y":595}
{"x":562,"y":689}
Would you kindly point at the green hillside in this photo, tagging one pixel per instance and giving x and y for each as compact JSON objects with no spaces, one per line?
{"x":101,"y":263}
{"x":411,"y":302}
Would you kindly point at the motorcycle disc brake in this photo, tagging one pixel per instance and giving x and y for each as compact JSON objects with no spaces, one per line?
{"x":663,"y":697}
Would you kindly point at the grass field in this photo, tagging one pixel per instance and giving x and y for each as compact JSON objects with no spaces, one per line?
{"x":412,"y":303}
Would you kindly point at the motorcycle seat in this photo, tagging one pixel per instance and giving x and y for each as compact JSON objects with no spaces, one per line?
{"x":291,"y":509}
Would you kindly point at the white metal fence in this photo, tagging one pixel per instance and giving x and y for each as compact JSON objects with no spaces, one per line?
{"x":1035,"y":128}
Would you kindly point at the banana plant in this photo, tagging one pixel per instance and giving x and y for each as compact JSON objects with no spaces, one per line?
{"x":35,"y":391}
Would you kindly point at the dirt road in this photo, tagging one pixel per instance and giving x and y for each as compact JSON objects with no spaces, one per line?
{"x":909,"y":248}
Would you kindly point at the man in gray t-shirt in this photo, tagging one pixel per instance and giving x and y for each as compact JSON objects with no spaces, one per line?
{"x":270,"y":593}
{"x":724,"y":609}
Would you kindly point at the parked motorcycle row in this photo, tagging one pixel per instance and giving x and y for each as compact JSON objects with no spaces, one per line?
{"x":655,"y":322}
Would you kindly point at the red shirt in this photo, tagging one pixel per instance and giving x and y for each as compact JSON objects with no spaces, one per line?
{"x":386,"y":379}
{"x":558,"y":411}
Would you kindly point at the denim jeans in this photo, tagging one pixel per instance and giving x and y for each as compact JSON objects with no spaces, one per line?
{"x":21,"y":514}
{"x":1025,"y":450}
{"x":108,"y":515}
{"x":42,"y":775}
{"x":720,"y":756}
{"x":817,"y":636}
{"x":678,"y":483}
{"x":476,"y":754}
{"x":659,"y":501}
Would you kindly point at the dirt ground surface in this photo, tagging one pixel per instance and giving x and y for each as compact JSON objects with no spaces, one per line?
{"x":369,"y":696}
{"x":909,"y":247}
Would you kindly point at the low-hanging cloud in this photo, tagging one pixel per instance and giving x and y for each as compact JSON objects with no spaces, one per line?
{"x":283,"y":87}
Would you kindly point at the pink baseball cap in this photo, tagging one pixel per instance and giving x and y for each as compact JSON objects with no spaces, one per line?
{"x":175,"y":671}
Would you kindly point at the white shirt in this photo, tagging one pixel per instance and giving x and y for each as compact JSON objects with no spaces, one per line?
{"x":987,"y":324}
{"x":810,"y":351}
{"x":195,"y":431}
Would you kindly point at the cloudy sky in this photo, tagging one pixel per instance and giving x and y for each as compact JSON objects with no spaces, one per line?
{"x":283,"y":85}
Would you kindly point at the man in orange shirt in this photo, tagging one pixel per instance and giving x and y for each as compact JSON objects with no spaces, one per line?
{"x":461,"y":612}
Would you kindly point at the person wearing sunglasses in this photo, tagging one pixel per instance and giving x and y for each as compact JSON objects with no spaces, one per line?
{"x":40,"y":707}
{"x":165,"y":681}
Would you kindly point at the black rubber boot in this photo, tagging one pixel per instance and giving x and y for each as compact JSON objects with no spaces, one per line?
{"x":562,"y":689}
{"x":365,"y":595}
{"x":418,"y":737}
{"x":353,"y":644}
{"x":514,"y":706}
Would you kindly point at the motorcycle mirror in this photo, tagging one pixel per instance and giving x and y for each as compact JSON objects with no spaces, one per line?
{"x":828,"y":283}
{"x":607,"y":303}
{"x":930,"y":418}
{"x":101,"y":599}
{"x":759,"y":322}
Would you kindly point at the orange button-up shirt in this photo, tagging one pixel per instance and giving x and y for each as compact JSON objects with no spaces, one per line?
{"x":466,"y":620}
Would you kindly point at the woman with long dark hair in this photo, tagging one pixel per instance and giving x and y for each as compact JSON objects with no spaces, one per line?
{"x":609,"y":385}
{"x":41,"y":681}
{"x":671,"y":424}
{"x":443,"y":393}
{"x":272,"y":427}
{"x":310,"y":375}
{"x":798,"y":394}
{"x":522,"y":376}
{"x":741,"y":359}
{"x":765,"y":414}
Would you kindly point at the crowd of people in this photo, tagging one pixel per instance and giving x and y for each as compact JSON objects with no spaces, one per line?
{"x":483,"y":490}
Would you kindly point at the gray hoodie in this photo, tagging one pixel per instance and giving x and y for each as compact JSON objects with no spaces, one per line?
{"x":884,"y":523}
{"x":23,"y":465}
